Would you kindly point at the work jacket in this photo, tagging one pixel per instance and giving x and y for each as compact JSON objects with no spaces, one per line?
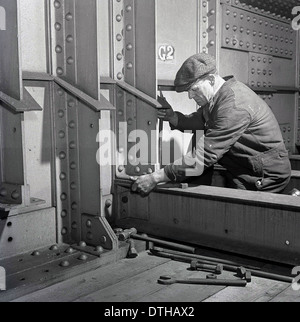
{"x":242,"y":134}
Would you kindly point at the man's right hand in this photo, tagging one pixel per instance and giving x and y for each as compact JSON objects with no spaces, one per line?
{"x":166,"y":113}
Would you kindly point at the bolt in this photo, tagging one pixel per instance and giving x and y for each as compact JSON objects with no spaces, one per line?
{"x":64,"y":264}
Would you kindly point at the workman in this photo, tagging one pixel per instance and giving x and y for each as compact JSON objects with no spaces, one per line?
{"x":240,"y":130}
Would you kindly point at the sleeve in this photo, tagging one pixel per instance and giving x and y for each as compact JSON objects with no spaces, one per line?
{"x":229,"y":125}
{"x":192,"y":122}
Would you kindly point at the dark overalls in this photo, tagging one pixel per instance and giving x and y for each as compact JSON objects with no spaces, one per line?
{"x":241,"y":134}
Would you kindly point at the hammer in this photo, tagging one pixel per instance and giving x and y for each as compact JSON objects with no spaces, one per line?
{"x":125,"y":234}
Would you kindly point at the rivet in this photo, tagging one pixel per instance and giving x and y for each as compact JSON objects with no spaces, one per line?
{"x":204,"y":4}
{"x":3,"y":192}
{"x":69,"y":16}
{"x":57,"y":26}
{"x":70,"y":250}
{"x":128,"y":8}
{"x":74,"y":225}
{"x":149,"y":123}
{"x":103,"y":239}
{"x":89,"y":223}
{"x":129,"y":27}
{"x":57,"y":4}
{"x":82,"y":244}
{"x":287,"y":243}
{"x":83,"y":257}
{"x":211,"y":43}
{"x":120,"y":168}
{"x":60,"y":92}
{"x":58,"y":49}
{"x":53,"y":248}
{"x":72,"y":145}
{"x":61,"y":113}
{"x":120,"y":76}
{"x":70,"y":60}
{"x":69,"y":38}
{"x":74,"y":206}
{"x":99,"y":249}
{"x":15,"y":195}
{"x":129,"y":47}
{"x":137,"y":169}
{"x":119,"y":56}
{"x":59,"y":71}
{"x":64,"y":214}
{"x":227,"y":26}
{"x":62,"y":176}
{"x":64,"y":231}
{"x":73,"y":165}
{"x":36,"y":253}
{"x":150,"y":171}
{"x":129,"y":66}
{"x":73,"y":186}
{"x":62,"y":155}
{"x":119,"y":37}
{"x":61,"y":134}
{"x":119,"y":18}
{"x":71,"y":103}
{"x":63,"y":197}
{"x":212,"y":27}
{"x":72,"y":125}
{"x":64,"y":264}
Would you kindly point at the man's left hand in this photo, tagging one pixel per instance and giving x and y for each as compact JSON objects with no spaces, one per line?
{"x":144,"y":184}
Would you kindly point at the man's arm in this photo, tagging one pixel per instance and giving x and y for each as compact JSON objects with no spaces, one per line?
{"x":229,"y":126}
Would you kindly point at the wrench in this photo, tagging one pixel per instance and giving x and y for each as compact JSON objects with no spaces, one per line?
{"x":168,"y":280}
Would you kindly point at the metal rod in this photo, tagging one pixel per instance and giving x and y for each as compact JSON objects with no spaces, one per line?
{"x":231,"y":268}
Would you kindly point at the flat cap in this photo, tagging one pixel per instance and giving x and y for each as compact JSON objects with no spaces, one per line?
{"x":193,"y":69}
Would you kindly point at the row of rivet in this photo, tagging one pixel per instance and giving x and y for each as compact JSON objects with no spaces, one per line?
{"x":118,"y":39}
{"x":208,"y":40}
{"x":260,"y":71}
{"x":275,"y":9}
{"x":234,"y":38}
{"x":129,"y":42}
{"x":65,"y":47}
{"x":63,"y":175}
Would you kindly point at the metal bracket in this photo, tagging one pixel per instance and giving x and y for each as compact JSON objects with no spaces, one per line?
{"x":96,"y":231}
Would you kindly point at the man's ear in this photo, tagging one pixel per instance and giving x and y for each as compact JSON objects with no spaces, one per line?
{"x":212,"y":80}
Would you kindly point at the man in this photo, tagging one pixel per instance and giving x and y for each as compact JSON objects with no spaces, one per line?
{"x":240,"y":133}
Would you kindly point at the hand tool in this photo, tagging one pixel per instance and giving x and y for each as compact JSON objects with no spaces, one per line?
{"x":217,"y":269}
{"x":168,"y":280}
{"x":132,"y":233}
{"x":132,"y":252}
{"x":230,"y":268}
{"x":244,"y":274}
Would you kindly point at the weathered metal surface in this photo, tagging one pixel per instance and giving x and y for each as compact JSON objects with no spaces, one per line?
{"x":25,"y":232}
{"x":10,"y":63}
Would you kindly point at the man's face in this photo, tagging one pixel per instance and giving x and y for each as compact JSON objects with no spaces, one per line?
{"x":201,"y":92}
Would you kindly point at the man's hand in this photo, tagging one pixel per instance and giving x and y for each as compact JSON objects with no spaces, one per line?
{"x":166,"y":113}
{"x":144,"y":184}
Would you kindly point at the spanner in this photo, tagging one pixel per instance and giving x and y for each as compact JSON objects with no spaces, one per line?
{"x":168,"y":280}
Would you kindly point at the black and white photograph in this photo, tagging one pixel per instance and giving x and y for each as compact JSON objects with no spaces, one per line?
{"x":149,"y":154}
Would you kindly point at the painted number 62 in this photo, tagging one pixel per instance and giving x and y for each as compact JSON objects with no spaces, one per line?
{"x":166,"y":52}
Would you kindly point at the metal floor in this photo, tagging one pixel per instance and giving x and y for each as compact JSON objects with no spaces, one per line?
{"x":45,"y":277}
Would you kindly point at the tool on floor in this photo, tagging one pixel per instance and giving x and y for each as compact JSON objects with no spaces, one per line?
{"x":187,"y":258}
{"x":217,"y":269}
{"x":132,"y":233}
{"x":169,"y":280}
{"x":243,"y":273}
{"x":132,"y":252}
